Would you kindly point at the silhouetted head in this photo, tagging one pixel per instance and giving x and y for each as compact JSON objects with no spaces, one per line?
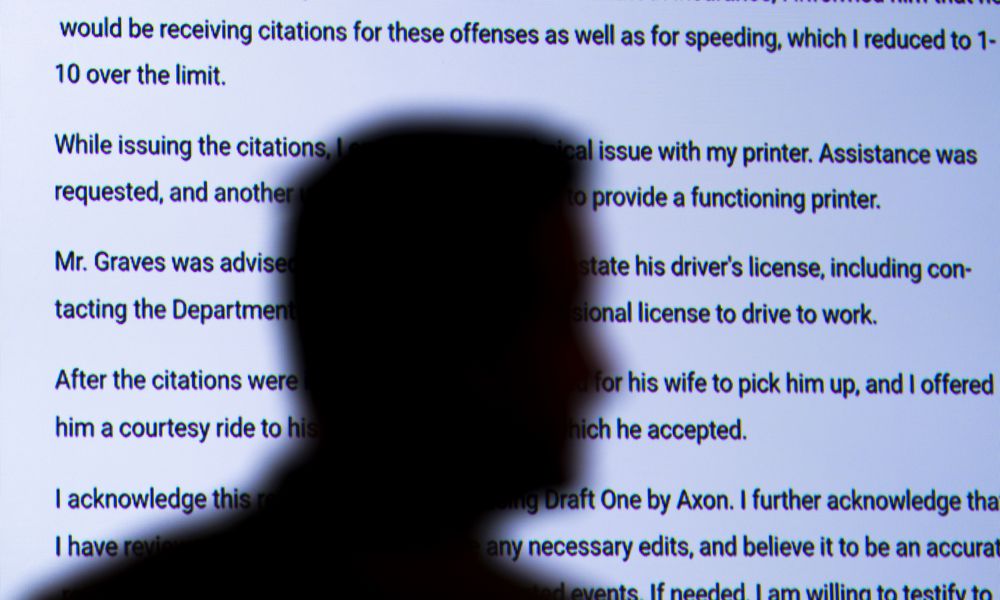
{"x":434,"y":281}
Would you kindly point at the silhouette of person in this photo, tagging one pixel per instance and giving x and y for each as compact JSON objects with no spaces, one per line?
{"x":434,"y":275}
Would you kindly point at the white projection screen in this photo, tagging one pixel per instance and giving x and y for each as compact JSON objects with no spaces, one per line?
{"x":792,"y":208}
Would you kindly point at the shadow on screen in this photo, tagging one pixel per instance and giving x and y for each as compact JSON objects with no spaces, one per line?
{"x":435,"y":274}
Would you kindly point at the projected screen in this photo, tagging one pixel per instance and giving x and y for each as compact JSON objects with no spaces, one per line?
{"x":793,"y":213}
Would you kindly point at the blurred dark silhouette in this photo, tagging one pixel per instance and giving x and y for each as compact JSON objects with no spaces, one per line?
{"x":435,"y":272}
